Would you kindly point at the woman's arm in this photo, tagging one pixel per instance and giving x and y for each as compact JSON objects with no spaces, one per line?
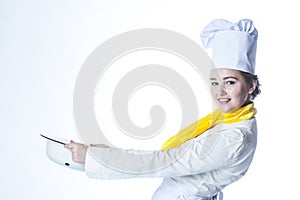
{"x":215,"y":150}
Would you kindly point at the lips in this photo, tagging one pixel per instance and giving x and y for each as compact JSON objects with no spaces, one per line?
{"x":223,"y":100}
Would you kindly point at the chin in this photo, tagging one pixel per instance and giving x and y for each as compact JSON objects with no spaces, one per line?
{"x":225,"y":108}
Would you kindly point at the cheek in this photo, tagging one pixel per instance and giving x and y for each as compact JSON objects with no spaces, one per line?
{"x":241,"y":94}
{"x":213,"y":91}
{"x":236,"y":92}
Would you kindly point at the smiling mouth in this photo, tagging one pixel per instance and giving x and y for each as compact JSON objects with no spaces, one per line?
{"x":223,"y":100}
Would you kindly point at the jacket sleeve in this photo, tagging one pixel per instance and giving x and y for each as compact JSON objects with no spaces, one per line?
{"x":204,"y":153}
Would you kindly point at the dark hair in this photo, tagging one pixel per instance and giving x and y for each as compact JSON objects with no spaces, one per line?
{"x":249,"y":79}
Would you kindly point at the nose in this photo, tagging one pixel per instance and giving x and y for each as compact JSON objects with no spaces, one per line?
{"x":222,"y":90}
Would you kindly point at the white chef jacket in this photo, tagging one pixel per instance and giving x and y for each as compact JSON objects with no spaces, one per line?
{"x":198,"y":169}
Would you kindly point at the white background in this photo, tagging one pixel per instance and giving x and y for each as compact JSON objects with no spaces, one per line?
{"x":43,"y":45}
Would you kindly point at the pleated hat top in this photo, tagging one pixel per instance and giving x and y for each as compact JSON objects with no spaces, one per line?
{"x":233,"y":44}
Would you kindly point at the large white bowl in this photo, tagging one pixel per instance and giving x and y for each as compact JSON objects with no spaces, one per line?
{"x":60,"y":155}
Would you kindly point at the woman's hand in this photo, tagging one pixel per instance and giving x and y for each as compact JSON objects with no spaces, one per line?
{"x":79,"y":150}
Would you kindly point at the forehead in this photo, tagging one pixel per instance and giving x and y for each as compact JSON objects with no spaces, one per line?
{"x":221,"y":73}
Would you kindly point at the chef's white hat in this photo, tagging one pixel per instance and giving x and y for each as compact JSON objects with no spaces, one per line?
{"x":234,"y":44}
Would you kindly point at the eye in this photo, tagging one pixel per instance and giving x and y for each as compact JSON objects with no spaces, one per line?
{"x":214,"y":83}
{"x":230,"y":82}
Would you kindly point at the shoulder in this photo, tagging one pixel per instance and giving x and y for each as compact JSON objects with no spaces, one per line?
{"x":241,"y":136}
{"x":238,"y":130}
{"x":237,"y":136}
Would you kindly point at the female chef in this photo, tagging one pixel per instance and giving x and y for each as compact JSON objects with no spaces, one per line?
{"x":199,"y":161}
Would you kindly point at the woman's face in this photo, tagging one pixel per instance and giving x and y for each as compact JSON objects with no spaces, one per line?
{"x":229,"y":89}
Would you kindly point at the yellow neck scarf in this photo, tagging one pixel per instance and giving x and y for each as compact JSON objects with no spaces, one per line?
{"x":209,"y":121}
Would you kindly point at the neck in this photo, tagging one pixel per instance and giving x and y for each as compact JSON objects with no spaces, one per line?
{"x":233,"y":110}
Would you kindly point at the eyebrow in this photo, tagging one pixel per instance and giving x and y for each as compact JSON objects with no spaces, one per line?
{"x":228,"y":77}
{"x":225,"y":78}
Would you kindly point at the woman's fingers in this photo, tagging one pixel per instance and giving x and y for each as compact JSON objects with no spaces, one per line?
{"x":70,"y":145}
{"x":78,"y":151}
{"x":99,"y":145}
